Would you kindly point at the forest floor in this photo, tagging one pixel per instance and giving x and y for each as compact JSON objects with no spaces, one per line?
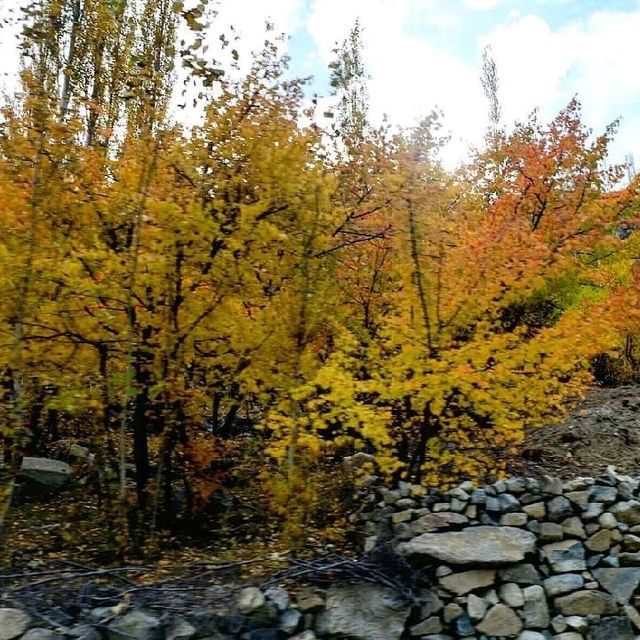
{"x":603,"y":429}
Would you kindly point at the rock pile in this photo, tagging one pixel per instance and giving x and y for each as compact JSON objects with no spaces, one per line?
{"x":522,"y":558}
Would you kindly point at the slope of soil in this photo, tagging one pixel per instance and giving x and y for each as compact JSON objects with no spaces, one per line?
{"x":604,"y":429}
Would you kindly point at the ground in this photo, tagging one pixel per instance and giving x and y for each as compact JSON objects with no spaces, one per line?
{"x":603,"y":429}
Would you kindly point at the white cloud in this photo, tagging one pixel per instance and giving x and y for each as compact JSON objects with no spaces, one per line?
{"x":483,"y":5}
{"x":409,"y":76}
{"x":596,"y":59}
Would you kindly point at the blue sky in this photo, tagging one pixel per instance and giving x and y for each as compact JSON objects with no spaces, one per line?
{"x":426,"y":53}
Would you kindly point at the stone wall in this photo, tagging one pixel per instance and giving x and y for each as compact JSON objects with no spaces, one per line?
{"x":523,"y":558}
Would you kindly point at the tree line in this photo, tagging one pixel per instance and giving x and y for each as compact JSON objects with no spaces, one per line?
{"x":334,"y":291}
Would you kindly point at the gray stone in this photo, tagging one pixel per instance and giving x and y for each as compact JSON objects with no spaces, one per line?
{"x":483,"y":545}
{"x":516,"y":485}
{"x":463,"y":626}
{"x":564,"y":583}
{"x":565,"y":556}
{"x":491,"y":597}
{"x":552,"y":485}
{"x":426,"y":627}
{"x":627,"y":512}
{"x":84,"y":632}
{"x":578,"y":623}
{"x":600,"y":541}
{"x":441,"y":507}
{"x":41,"y":634}
{"x":305,"y":635}
{"x":614,"y":628}
{"x":550,"y":532}
{"x":516,"y":519}
{"x":363,"y":612}
{"x":583,"y":603}
{"x":633,"y":614}
{"x":458,"y":505}
{"x":290,"y":621}
{"x":45,"y":473}
{"x":531,"y":635}
{"x":278,"y":596}
{"x":572,"y":528}
{"x":431,"y":604}
{"x":610,"y":561}
{"x":402,"y":516}
{"x":500,"y":486}
{"x":452,"y":611}
{"x":13,"y":623}
{"x":181,"y":629}
{"x":249,"y":599}
{"x":620,"y":583}
{"x":631,"y":542}
{"x":578,"y":484}
{"x":559,"y":508}
{"x":476,"y":607}
{"x":593,"y":511}
{"x":478,"y":496}
{"x":309,"y":600}
{"x":436,"y":521}
{"x":598,"y":493}
{"x":511,"y":594}
{"x":536,"y":610}
{"x":607,"y":520}
{"x":535,"y":510}
{"x":580,"y":498}
{"x":135,"y":625}
{"x":461,"y":583}
{"x":508,"y":503}
{"x":627,"y":559}
{"x":501,"y":621}
{"x":521,"y":573}
{"x":493,"y":504}
{"x":261,"y":633}
{"x":569,"y":635}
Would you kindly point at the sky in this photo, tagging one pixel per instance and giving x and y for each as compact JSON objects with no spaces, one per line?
{"x":422,"y":54}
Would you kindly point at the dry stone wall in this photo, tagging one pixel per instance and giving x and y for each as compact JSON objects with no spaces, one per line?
{"x":522,"y":558}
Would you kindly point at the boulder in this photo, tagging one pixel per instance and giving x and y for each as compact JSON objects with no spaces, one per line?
{"x":45,"y":473}
{"x":13,"y":623}
{"x":483,"y":545}
{"x":363,"y":612}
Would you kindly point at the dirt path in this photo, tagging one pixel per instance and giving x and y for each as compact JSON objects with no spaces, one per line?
{"x":604,"y":429}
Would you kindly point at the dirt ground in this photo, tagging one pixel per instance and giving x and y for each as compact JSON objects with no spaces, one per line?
{"x":604,"y":429}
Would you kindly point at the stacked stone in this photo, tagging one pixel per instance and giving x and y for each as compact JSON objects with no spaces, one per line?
{"x":522,"y":558}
